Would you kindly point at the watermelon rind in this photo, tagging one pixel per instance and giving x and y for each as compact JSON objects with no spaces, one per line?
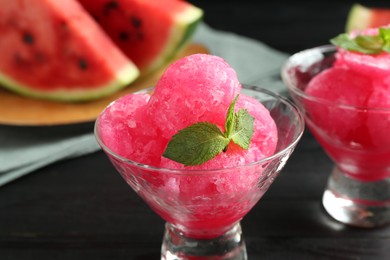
{"x":121,"y":79}
{"x":359,"y":18}
{"x":182,"y":31}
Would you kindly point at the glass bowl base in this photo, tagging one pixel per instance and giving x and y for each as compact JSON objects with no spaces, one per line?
{"x":229,"y":246}
{"x":357,"y":203}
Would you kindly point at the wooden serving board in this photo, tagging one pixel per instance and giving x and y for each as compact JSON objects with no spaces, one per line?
{"x":18,"y":110}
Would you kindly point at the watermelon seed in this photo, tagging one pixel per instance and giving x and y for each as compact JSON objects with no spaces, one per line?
{"x":28,"y":38}
{"x":123,"y":36}
{"x":112,"y":5}
{"x":137,"y":22}
{"x":83,"y":64}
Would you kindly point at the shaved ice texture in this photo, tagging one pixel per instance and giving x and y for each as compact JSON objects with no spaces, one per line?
{"x":197,"y":88}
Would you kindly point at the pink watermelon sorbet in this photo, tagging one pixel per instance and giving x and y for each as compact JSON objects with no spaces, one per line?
{"x":197,"y":88}
{"x":351,"y":116}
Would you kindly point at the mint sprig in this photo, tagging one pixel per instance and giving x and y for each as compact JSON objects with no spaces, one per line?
{"x":367,"y":44}
{"x":201,"y":142}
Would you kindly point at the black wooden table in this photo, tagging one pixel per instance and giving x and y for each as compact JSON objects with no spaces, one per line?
{"x":82,"y":209}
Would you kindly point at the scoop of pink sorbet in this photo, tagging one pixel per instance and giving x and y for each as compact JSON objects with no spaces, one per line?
{"x":196,"y":88}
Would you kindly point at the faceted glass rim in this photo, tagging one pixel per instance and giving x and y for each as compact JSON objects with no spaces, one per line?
{"x":295,"y":59}
{"x":297,"y":137}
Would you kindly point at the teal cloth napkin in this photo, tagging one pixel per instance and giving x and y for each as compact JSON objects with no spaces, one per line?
{"x":26,"y":149}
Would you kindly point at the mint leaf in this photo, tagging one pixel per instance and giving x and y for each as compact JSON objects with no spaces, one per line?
{"x":371,"y":44}
{"x":203,"y":141}
{"x":385,"y":34}
{"x":243,"y":129}
{"x":344,"y":42}
{"x":362,"y":44}
{"x":230,"y":118}
{"x":367,"y":44}
{"x":196,"y":144}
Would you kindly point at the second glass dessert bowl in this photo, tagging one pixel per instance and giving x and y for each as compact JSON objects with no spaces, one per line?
{"x":203,"y":208}
{"x":356,"y":139}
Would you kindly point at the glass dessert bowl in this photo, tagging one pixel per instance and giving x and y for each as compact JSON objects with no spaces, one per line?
{"x":353,"y":136}
{"x":203,"y":208}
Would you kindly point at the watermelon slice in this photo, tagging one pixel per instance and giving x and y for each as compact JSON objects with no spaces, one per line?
{"x":361,"y":17}
{"x":53,"y":49}
{"x":149,"y":32}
